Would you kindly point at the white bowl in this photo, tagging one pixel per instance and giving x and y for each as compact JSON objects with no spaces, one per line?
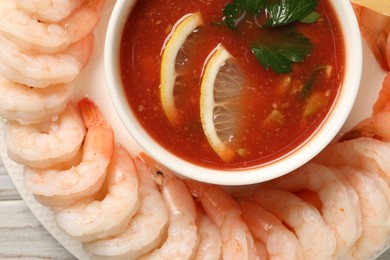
{"x":322,"y":137}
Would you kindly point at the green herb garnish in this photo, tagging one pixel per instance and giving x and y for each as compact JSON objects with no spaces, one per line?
{"x":281,"y":48}
{"x":310,"y":83}
{"x":311,"y":18}
{"x":234,"y":11}
{"x":285,"y":45}
{"x":282,"y":12}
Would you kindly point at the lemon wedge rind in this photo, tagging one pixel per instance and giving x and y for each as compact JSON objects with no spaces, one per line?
{"x":214,"y":62}
{"x":175,"y":40}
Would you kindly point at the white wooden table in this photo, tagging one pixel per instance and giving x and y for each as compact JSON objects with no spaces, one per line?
{"x":22,"y":236}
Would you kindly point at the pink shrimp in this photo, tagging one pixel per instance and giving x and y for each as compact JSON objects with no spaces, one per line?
{"x":316,"y":238}
{"x":145,"y":230}
{"x":182,"y":234}
{"x":91,"y":218}
{"x":280,"y":242}
{"x":237,"y":241}
{"x":381,"y":111}
{"x":375,"y":29}
{"x":210,"y":240}
{"x":339,"y":202}
{"x":62,"y":188}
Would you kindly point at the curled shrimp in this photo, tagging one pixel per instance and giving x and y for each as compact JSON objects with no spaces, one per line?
{"x":89,"y":218}
{"x":49,"y":10}
{"x":375,"y":29}
{"x":210,"y":240}
{"x":339,"y":201}
{"x":63,"y":188}
{"x":367,"y":145}
{"x":43,"y":70}
{"x":363,"y":153}
{"x":47,"y":144}
{"x":146,"y":229}
{"x":27,"y":105}
{"x":32,"y":36}
{"x":237,"y":241}
{"x":317,"y":239}
{"x":280,"y":242}
{"x":375,"y":211}
{"x":381,"y":111}
{"x":182,"y":234}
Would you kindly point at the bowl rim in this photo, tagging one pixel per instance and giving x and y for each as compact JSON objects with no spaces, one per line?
{"x":328,"y":129}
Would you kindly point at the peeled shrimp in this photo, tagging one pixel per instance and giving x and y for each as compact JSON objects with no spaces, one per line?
{"x":375,"y":29}
{"x":340,"y":203}
{"x":63,"y":188}
{"x":364,"y":153}
{"x":47,"y":144}
{"x":182,"y":236}
{"x":381,"y":110}
{"x":237,"y":241}
{"x":376,"y":214}
{"x":89,"y":218}
{"x":210,"y":240}
{"x":31,"y":105}
{"x":317,"y":239}
{"x":280,"y":242}
{"x":261,"y":250}
{"x":49,"y":10}
{"x":32,"y":36}
{"x":145,"y":230}
{"x":42,"y":70}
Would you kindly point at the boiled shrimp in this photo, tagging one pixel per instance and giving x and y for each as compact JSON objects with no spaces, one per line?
{"x":339,"y":201}
{"x":27,"y":105}
{"x":280,"y":242}
{"x":49,"y":10}
{"x":317,"y":239}
{"x":367,"y":154}
{"x":237,"y":241}
{"x":42,"y":70}
{"x":32,"y":36}
{"x":182,"y":234}
{"x":375,"y":29}
{"x":381,"y":111}
{"x":210,"y":240}
{"x":375,"y":211}
{"x":146,"y":229}
{"x":63,"y":188}
{"x":46,"y":144}
{"x":261,"y":250}
{"x":89,"y":218}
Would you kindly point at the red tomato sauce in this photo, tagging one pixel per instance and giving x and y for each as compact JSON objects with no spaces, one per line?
{"x":274,"y":121}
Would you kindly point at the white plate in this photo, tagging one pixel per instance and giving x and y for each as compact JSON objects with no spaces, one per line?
{"x":92,"y":83}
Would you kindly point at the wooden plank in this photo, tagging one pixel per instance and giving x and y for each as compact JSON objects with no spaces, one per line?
{"x":22,"y":237}
{"x":7,"y":188}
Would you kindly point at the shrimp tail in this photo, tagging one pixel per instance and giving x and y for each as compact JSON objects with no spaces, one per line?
{"x":160,"y":174}
{"x":383,"y":101}
{"x":90,"y":113}
{"x":97,"y":128}
{"x":377,"y":125}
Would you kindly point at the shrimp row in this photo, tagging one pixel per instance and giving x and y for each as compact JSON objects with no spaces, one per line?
{"x":44,"y":45}
{"x":119,"y":206}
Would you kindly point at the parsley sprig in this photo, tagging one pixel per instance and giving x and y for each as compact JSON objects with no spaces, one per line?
{"x":281,"y":49}
{"x":283,"y":12}
{"x":285,"y":45}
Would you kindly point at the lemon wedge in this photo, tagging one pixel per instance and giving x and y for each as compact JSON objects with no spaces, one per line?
{"x":173,"y":58}
{"x":220,"y":101}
